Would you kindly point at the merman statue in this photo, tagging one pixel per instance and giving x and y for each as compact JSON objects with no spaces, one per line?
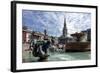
{"x":40,"y":50}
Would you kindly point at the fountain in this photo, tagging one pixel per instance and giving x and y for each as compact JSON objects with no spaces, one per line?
{"x":78,"y":36}
{"x":78,"y":45}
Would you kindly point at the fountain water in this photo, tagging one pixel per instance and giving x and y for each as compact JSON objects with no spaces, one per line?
{"x":54,"y":49}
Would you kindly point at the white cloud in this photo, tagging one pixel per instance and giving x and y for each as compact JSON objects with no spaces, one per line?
{"x":54,"y":21}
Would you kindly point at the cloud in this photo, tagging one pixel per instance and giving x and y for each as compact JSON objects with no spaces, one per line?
{"x":53,"y":22}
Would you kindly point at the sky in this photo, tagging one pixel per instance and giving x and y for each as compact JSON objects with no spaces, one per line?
{"x":53,"y":21}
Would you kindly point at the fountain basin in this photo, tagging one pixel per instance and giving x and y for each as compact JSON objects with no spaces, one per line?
{"x":77,"y":46}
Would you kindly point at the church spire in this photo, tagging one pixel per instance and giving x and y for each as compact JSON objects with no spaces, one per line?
{"x":64,"y":28}
{"x":64,"y":22}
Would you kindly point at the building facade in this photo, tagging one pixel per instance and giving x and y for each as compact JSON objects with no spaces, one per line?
{"x":28,"y":35}
{"x":87,"y":35}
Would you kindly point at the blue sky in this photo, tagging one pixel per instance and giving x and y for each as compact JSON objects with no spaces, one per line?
{"x":53,"y":21}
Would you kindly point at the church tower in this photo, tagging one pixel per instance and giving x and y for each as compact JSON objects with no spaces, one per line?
{"x":64,"y":29}
{"x":63,"y":39}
